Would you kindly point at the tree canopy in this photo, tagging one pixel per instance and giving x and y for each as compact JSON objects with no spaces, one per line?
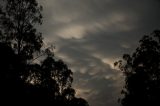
{"x":48,"y":82}
{"x":142,"y":73}
{"x":18,"y":26}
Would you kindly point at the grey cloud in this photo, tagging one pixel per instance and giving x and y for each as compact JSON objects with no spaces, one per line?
{"x":98,"y":87}
{"x":96,"y":79}
{"x":91,"y":34}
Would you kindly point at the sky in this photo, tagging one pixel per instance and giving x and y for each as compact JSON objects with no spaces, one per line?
{"x":90,"y":35}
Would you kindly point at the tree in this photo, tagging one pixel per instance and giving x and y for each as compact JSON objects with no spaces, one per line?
{"x":142,"y":73}
{"x":46,"y":83}
{"x":18,"y":19}
{"x":18,"y":26}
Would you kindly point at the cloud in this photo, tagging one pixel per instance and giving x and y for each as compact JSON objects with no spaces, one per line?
{"x":92,"y":74}
{"x":90,"y":35}
{"x":71,"y":32}
{"x":102,"y":89}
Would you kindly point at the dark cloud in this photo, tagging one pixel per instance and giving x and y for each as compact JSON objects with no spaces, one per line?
{"x":91,"y":34}
{"x":94,"y":77}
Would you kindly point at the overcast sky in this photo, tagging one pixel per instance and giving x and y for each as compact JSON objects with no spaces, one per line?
{"x":90,"y":35}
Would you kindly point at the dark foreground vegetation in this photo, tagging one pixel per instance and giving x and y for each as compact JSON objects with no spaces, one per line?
{"x":142,"y":73}
{"x":23,"y":79}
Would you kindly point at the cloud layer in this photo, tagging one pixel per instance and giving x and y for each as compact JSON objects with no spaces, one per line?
{"x":90,"y":35}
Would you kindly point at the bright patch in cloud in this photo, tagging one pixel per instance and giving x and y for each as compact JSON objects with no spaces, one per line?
{"x":126,"y":46}
{"x":71,"y":32}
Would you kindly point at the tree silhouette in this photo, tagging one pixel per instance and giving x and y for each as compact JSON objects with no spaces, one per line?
{"x":142,"y":73}
{"x":18,"y":26}
{"x":48,"y":82}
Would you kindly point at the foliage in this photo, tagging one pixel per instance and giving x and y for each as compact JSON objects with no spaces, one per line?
{"x":22,"y":80}
{"x":18,"y":26}
{"x":142,"y":73}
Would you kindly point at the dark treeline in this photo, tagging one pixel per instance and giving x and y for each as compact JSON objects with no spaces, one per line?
{"x":142,"y":73}
{"x":23,"y":81}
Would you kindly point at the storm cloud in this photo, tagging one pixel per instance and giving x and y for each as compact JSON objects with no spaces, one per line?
{"x":90,"y":35}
